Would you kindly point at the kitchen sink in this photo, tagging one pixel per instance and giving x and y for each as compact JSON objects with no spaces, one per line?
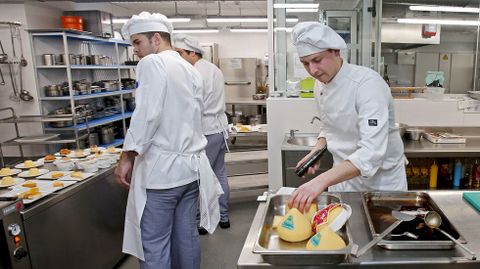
{"x":308,"y":141}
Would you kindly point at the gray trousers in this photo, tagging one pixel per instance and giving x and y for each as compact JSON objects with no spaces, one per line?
{"x":216,"y":155}
{"x":169,"y":229}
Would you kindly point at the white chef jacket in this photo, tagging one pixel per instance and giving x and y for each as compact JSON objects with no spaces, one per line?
{"x":358,"y":123}
{"x":214,"y":119}
{"x":166,"y":132}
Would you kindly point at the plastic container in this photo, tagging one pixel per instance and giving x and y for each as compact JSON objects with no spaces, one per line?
{"x":433,"y":175}
{"x":457,"y":173}
{"x":72,"y":22}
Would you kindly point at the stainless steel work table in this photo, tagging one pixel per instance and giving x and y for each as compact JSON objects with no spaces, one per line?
{"x":459,"y":212}
{"x":424,"y":148}
{"x":80,"y":226}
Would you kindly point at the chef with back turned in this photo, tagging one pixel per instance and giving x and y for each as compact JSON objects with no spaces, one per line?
{"x":163,"y":163}
{"x":357,"y":122}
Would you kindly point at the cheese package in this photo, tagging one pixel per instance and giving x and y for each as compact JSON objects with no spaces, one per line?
{"x":5,"y":171}
{"x":7,"y":181}
{"x":326,"y":239}
{"x":334,"y":215}
{"x":29,"y":184}
{"x":294,"y":227}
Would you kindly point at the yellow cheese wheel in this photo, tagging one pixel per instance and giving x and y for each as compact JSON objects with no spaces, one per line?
{"x":294,"y":227}
{"x":326,"y":239}
{"x":331,"y":216}
{"x":276,"y":221}
{"x":308,"y":214}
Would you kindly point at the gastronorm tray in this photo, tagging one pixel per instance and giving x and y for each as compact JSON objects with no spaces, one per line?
{"x":279,"y":252}
{"x":378,"y":208}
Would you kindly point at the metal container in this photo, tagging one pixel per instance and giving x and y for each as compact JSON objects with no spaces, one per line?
{"x":130,"y":104}
{"x":254,"y":119}
{"x":278,"y":252}
{"x":53,"y":90}
{"x":414,"y":133}
{"x":48,"y":59}
{"x":95,"y":59}
{"x":93,"y":139}
{"x":107,"y":135}
{"x":378,"y":207}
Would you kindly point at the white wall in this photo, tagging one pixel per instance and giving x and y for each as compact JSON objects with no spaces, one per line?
{"x":237,"y":45}
{"x":31,"y":16}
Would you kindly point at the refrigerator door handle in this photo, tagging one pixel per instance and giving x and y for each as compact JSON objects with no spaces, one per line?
{"x":237,"y":83}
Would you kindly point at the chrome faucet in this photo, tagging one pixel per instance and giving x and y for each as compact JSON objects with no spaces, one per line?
{"x":315,"y":118}
{"x":292,"y":133}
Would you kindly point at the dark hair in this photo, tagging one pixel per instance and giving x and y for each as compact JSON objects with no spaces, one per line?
{"x":196,"y":53}
{"x":165,"y":36}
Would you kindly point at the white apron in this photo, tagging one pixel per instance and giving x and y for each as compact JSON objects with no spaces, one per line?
{"x":137,"y":198}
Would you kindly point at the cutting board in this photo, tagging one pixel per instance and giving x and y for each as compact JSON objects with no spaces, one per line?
{"x":473,"y":198}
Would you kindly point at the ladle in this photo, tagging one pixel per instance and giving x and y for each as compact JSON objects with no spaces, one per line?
{"x":434,"y":220}
{"x":400,"y":218}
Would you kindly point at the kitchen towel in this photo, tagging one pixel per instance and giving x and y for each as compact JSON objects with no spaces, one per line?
{"x":473,"y":198}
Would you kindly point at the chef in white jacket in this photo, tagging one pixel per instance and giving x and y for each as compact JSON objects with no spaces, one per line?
{"x":357,"y":120}
{"x":163,"y":155}
{"x":214,"y":120}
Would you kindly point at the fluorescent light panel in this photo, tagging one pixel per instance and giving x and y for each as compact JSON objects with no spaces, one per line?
{"x":247,"y":30}
{"x":295,"y":6}
{"x":245,"y":19}
{"x":445,"y":9}
{"x":438,"y":21}
{"x":124,"y":20}
{"x":195,"y":31}
{"x":301,"y":10}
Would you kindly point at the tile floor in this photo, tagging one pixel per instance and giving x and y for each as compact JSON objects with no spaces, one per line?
{"x":222,"y":249}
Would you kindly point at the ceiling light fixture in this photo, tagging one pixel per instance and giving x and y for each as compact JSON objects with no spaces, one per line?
{"x":445,"y":9}
{"x":295,"y":5}
{"x":248,"y":30}
{"x":245,"y":19}
{"x":301,"y":10}
{"x":438,"y":21}
{"x":283,"y":29}
{"x":124,"y":20}
{"x":195,"y":31}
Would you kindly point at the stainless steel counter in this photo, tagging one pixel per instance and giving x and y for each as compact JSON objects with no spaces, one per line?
{"x":421,"y":148}
{"x":80,"y":226}
{"x":460,"y":214}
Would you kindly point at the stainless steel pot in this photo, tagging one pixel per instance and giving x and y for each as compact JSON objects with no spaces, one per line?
{"x":48,"y":59}
{"x":53,"y":90}
{"x":107,"y":135}
{"x":93,"y":139}
{"x":254,"y":119}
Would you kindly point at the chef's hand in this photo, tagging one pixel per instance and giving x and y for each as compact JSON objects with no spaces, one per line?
{"x":123,"y":172}
{"x":313,"y":169}
{"x":304,"y":195}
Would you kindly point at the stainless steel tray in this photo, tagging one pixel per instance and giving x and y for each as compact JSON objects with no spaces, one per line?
{"x":378,"y":207}
{"x":474,"y":94}
{"x":278,"y":252}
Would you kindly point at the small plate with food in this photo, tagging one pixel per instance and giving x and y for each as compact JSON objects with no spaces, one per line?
{"x":29,"y":164}
{"x":6,"y":171}
{"x":9,"y":181}
{"x":33,"y":172}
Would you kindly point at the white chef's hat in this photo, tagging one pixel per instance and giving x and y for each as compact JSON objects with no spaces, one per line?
{"x":146,"y":22}
{"x":313,"y":37}
{"x":186,"y":42}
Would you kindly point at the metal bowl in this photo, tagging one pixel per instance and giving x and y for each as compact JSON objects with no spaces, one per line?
{"x":414,"y":133}
{"x":401,"y":128}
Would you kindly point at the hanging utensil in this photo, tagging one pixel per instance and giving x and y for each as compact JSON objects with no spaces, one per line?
{"x":434,"y":220}
{"x":3,"y":55}
{"x":401,"y":217}
{"x":14,"y":96}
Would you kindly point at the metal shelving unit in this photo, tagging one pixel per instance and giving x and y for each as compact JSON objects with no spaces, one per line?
{"x":68,"y":42}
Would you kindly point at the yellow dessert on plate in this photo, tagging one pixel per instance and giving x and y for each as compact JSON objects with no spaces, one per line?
{"x":5,"y":171}
{"x":30,"y":194}
{"x":29,"y":164}
{"x":58,"y":184}
{"x":111,"y":149}
{"x":29,"y":184}
{"x":49,"y":157}
{"x":57,"y":175}
{"x":79,"y":153}
{"x":7,"y":181}
{"x":78,"y":174}
{"x":33,"y":172}
{"x":244,"y":129}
